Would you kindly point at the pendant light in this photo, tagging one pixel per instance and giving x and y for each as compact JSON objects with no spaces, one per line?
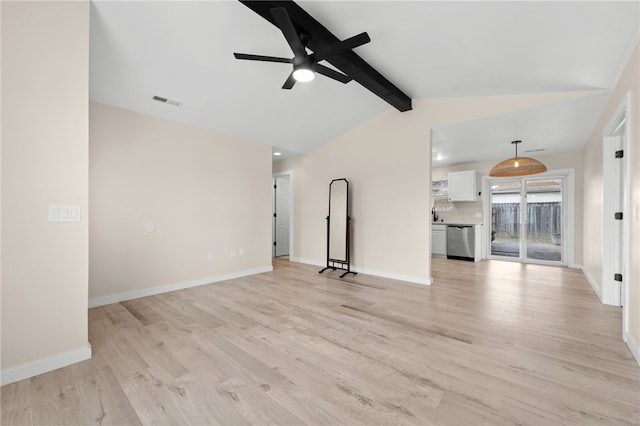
{"x":517,"y":166}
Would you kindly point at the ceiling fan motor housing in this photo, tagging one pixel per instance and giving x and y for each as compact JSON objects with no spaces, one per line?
{"x":306,"y":62}
{"x":305,"y":65}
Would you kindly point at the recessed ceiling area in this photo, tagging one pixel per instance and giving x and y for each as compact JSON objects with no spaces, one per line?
{"x":184,"y":51}
{"x":548,"y":129}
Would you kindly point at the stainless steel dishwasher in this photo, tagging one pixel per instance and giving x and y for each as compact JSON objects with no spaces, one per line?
{"x":460,"y":242}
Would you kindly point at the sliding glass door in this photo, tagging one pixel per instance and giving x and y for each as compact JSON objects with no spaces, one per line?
{"x":526,"y":219}
{"x":506,"y":218}
{"x":543,"y":219}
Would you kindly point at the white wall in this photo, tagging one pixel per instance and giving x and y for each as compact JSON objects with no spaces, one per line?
{"x":45,"y":79}
{"x":203,"y":191}
{"x":593,"y":189}
{"x":387,"y":161}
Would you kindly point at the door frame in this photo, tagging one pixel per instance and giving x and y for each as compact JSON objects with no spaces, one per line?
{"x":610,"y":293}
{"x":288,"y":173}
{"x":568,"y":216}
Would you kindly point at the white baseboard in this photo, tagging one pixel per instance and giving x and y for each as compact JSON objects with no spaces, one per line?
{"x":382,"y":274}
{"x":406,"y":278}
{"x":306,"y":261}
{"x":631,"y":342}
{"x":107,"y":300}
{"x":633,"y":346}
{"x":593,"y":284}
{"x":42,"y":366}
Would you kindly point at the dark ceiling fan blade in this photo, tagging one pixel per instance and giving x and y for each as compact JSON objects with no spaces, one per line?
{"x":286,"y":26}
{"x":343,"y":46}
{"x":348,"y":62}
{"x":290,"y":82}
{"x":328,"y":72}
{"x":250,"y":57}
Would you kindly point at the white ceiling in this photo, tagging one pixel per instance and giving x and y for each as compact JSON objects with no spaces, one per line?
{"x":184,"y":51}
{"x":549,"y":129}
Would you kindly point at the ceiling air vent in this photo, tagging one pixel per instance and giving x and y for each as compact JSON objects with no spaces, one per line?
{"x":535,"y":150}
{"x":167,"y":101}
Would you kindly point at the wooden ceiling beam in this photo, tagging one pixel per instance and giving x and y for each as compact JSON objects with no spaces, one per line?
{"x":348,"y":62}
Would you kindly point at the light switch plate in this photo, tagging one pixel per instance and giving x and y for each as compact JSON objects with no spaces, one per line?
{"x":64,"y":213}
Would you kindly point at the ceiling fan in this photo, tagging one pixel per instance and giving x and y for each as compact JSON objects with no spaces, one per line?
{"x":305,"y":65}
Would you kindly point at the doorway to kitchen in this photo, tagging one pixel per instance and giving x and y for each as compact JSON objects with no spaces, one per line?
{"x":529,"y":218}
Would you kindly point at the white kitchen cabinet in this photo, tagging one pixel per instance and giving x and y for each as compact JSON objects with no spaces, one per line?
{"x":462,"y":186}
{"x":438,"y":240}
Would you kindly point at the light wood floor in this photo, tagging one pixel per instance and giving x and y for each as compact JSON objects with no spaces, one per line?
{"x":489,"y":343}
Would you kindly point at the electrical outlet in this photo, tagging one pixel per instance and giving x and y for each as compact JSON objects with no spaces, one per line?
{"x":64,"y":213}
{"x":241,"y":252}
{"x":232,"y":253}
{"x":210,"y":256}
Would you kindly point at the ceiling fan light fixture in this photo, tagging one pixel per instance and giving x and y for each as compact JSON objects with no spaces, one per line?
{"x":303,"y":74}
{"x":517,"y":166}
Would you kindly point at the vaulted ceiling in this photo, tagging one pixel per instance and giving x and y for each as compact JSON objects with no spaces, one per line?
{"x":184,"y":51}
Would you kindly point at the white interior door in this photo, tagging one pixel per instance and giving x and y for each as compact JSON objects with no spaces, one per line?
{"x":613,"y":214}
{"x":281,"y":215}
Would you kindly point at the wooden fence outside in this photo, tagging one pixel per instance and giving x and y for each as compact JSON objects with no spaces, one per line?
{"x":543,"y":220}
